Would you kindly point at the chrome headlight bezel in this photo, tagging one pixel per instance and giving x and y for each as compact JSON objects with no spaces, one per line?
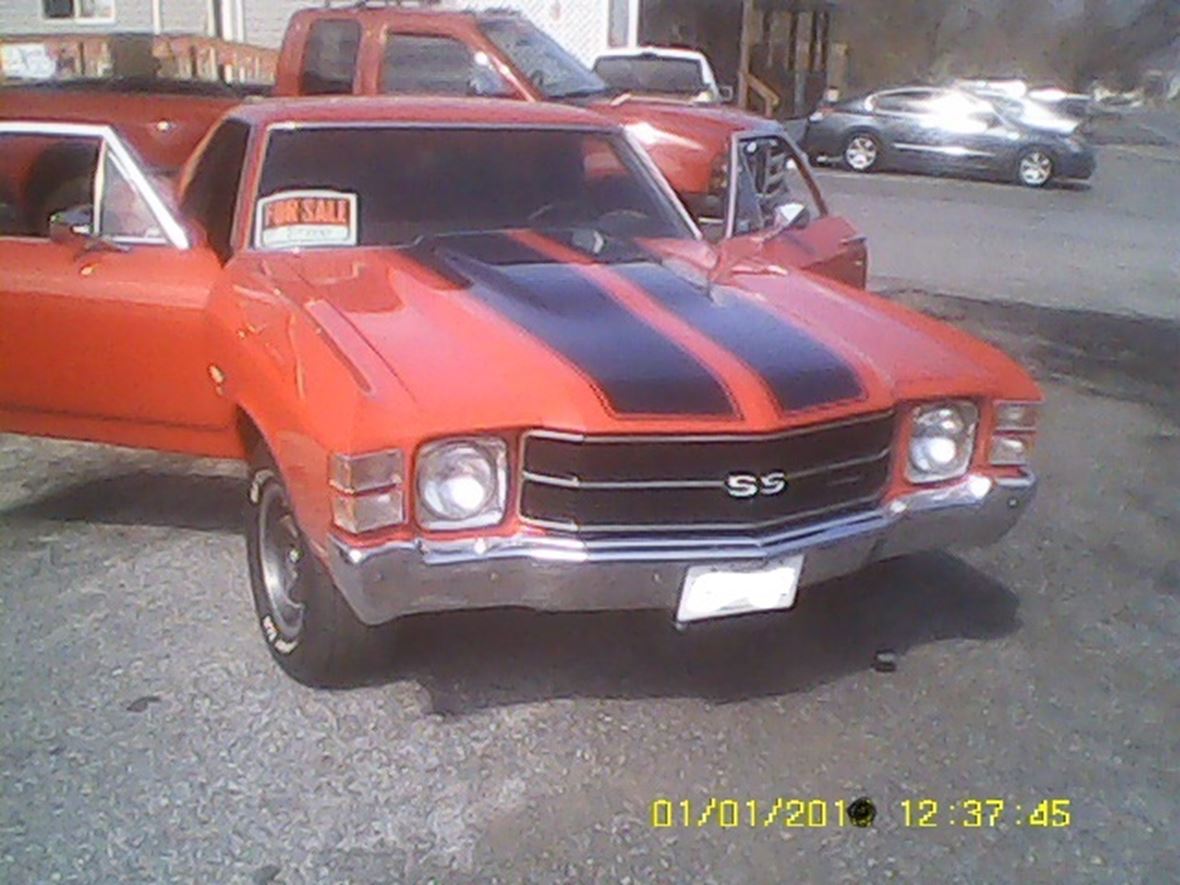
{"x":356,"y":474}
{"x":956,"y":420}
{"x":367,"y":491}
{"x":484,"y":459}
{"x":1017,"y":416}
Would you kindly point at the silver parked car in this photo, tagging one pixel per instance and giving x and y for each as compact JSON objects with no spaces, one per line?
{"x":928,"y":129}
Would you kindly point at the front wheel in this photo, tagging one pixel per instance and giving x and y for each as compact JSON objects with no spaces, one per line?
{"x":862,"y":152}
{"x":1034,"y":168}
{"x":311,"y":631}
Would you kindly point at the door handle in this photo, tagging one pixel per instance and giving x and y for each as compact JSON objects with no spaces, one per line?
{"x":854,"y":241}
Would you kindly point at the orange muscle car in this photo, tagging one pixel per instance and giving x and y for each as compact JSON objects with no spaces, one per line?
{"x":477,"y":354}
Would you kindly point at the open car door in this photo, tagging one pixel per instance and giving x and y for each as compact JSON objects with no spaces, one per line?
{"x":773,"y":197}
{"x":102,"y":298}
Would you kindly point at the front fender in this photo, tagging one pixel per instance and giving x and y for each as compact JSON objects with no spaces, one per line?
{"x":300,"y":387}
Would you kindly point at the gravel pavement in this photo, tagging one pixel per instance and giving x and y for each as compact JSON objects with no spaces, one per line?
{"x":148,"y":737}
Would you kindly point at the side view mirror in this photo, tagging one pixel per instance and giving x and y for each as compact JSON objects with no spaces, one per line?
{"x":791,"y":215}
{"x":73,"y":226}
{"x":726,"y":93}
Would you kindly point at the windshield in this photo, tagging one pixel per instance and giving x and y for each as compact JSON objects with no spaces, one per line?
{"x":553,"y":70}
{"x":654,"y":76}
{"x":390,"y":186}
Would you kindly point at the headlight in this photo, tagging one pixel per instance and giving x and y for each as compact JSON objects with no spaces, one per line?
{"x":942,"y":438}
{"x":367,"y":490}
{"x":462,"y":483}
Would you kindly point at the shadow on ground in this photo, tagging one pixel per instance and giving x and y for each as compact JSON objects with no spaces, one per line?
{"x":186,"y":501}
{"x":471,"y":661}
{"x":1122,"y":357}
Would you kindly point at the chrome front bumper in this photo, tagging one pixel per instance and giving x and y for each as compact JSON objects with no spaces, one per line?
{"x":565,"y":573}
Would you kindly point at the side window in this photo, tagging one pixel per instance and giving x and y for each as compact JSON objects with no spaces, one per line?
{"x":770,"y":176}
{"x":212,"y":193}
{"x":902,"y":102}
{"x":122,"y":213}
{"x":41,"y":175}
{"x":434,"y":65}
{"x":329,"y":61}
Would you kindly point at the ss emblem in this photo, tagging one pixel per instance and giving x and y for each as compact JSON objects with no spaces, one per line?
{"x":747,"y":485}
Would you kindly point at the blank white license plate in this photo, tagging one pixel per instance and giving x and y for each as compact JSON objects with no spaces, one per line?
{"x":712,"y":592}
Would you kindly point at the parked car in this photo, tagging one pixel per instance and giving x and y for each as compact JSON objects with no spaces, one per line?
{"x":662,"y":72}
{"x":477,"y":354}
{"x":943,"y":130}
{"x":396,"y":50}
{"x":1077,"y":105}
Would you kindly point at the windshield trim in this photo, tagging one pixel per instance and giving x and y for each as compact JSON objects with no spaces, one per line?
{"x":645,"y":166}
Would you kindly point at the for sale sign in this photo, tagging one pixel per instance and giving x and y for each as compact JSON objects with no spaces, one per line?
{"x":306,"y":218}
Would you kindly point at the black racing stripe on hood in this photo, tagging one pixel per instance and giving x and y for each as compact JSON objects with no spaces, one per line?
{"x":801,"y":371}
{"x":637,"y":369}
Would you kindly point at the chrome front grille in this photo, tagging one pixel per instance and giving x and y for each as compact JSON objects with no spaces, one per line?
{"x":684,"y":483}
{"x":768,"y":160}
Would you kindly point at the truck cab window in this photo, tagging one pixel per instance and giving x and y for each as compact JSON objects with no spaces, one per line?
{"x":427,"y":64}
{"x":212,"y":195}
{"x":329,"y":61}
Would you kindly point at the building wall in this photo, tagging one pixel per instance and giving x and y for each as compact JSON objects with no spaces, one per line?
{"x":24,"y":17}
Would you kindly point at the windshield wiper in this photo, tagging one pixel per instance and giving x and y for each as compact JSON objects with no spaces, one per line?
{"x":592,"y":92}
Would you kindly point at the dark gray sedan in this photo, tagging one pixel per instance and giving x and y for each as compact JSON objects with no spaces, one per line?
{"x":943,"y":130}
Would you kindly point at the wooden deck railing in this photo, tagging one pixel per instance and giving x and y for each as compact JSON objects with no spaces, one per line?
{"x":180,"y":56}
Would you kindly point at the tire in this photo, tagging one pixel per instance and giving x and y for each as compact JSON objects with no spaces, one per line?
{"x":862,"y":152}
{"x":1034,"y":167}
{"x":311,"y":631}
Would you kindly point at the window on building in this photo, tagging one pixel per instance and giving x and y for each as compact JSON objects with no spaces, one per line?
{"x":79,"y":10}
{"x":329,"y":62}
{"x":619,"y":26}
{"x":425,"y":64}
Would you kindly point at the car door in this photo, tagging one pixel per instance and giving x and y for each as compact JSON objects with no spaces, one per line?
{"x":988,"y":139}
{"x":102,"y":332}
{"x":768,"y":175}
{"x":968,"y":132}
{"x":909,"y":130}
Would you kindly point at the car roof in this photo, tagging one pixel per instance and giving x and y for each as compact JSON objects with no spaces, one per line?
{"x":386,"y":11}
{"x":427,"y":110}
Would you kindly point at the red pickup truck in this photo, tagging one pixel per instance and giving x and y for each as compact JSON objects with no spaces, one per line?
{"x":477,"y":354}
{"x":389,"y":50}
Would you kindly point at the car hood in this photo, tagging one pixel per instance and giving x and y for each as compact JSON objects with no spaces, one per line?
{"x":710,"y":123}
{"x":570,"y":331}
